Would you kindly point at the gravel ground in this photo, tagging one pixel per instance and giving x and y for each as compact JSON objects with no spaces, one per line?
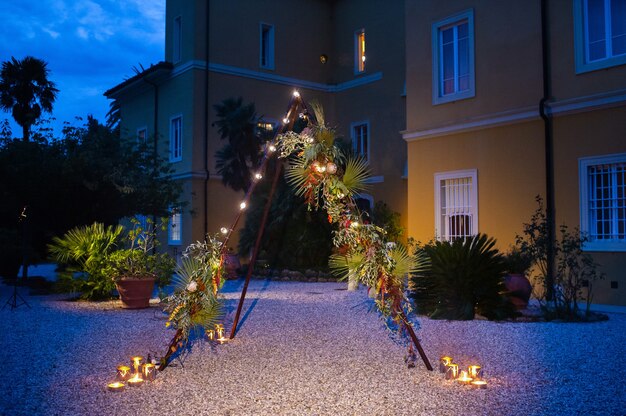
{"x":303,"y":348}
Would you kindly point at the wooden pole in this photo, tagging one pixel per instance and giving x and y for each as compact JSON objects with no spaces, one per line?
{"x":411,"y":332}
{"x":255,"y":251}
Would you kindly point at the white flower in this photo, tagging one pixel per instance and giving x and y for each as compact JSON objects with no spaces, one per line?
{"x":391,"y":245}
{"x":192,"y":286}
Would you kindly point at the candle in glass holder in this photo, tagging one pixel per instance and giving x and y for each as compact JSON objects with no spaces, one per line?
{"x":452,"y":371}
{"x":115,"y":386}
{"x":136,"y":360}
{"x":443,"y":363}
{"x":210,"y":333}
{"x":123,"y":372}
{"x":219,"y":330}
{"x":464,"y":378}
{"x":475,"y":371}
{"x":135,"y":380}
{"x":148,"y":371}
{"x":479,"y":384}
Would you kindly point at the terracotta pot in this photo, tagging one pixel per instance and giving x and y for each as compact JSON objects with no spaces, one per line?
{"x":520,"y":289}
{"x":231,"y":264}
{"x":135,"y":293}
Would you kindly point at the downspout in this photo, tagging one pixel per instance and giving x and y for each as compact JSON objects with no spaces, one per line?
{"x":549,"y":151}
{"x":206,"y":120}
{"x":156,"y":133}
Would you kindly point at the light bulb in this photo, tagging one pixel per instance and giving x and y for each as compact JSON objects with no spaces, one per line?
{"x":243,"y":205}
{"x":363,"y":58}
{"x":224,"y":230}
{"x":258,"y":176}
{"x":272,"y":148}
{"x":354,"y":224}
{"x":296,"y":94}
{"x":285,"y":120}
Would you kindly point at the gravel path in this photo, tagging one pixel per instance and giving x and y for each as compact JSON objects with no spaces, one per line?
{"x":303,"y":348}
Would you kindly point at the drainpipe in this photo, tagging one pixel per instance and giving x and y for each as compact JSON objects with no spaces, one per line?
{"x":156,"y":133}
{"x":206,"y":121}
{"x":549,"y":150}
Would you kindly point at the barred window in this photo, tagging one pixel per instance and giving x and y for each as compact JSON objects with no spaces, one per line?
{"x":175,"y":231}
{"x":456,"y":205}
{"x":603,"y":201}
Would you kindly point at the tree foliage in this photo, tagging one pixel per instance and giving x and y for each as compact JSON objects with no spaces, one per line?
{"x":89,"y":175}
{"x":25,"y":91}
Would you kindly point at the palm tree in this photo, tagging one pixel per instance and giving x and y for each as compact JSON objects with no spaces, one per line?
{"x":237,"y":123}
{"x":25,"y":91}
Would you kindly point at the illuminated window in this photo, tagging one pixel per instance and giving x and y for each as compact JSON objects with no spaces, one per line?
{"x":361,"y":139}
{"x":453,"y":58}
{"x":603,"y":202}
{"x":359,"y":51}
{"x":175,"y":231}
{"x":177,"y":39}
{"x":176,"y":139}
{"x":456,"y":205}
{"x":267,"y":46}
{"x":600,"y":31}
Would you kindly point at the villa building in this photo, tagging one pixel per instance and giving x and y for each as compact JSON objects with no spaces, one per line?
{"x":466,"y":109}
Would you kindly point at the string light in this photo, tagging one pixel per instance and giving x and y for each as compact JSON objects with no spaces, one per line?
{"x":258,"y":176}
{"x":243,"y":205}
{"x":272,"y":148}
{"x":296,"y":94}
{"x":224,"y":230}
{"x":285,"y":120}
{"x":354,"y":224}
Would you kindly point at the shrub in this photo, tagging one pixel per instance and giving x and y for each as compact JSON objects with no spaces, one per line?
{"x":464,"y":277}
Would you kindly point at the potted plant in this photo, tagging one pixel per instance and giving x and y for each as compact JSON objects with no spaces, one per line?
{"x":517,"y":284}
{"x":136,"y":269}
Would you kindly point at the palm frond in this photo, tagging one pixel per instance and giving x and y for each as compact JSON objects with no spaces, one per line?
{"x":297,"y":177}
{"x":355,"y":175}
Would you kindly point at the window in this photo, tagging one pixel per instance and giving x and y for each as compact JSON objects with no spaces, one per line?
{"x":361,"y":139}
{"x":142,"y":135}
{"x":359,"y":51}
{"x":603,"y":202}
{"x":177,"y":39}
{"x":174,"y":228}
{"x":600,"y":33}
{"x":456,"y":205}
{"x":176,"y":139}
{"x":267,"y":46}
{"x":453,"y":58}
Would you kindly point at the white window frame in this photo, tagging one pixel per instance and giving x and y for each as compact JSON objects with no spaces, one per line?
{"x":583,"y":177}
{"x":360,"y":57}
{"x":353,"y":127}
{"x":176,"y":148}
{"x":580,"y":40}
{"x":143,"y":129}
{"x":176,"y":220}
{"x":438,"y":96}
{"x":177,"y":39}
{"x":457,"y":174}
{"x":266,"y":54}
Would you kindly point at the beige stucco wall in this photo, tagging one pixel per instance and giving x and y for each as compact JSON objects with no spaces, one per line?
{"x":509,"y":173}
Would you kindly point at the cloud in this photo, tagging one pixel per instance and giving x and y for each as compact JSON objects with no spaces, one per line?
{"x":90,"y":45}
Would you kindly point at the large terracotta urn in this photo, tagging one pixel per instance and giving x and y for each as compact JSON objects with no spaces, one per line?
{"x":519,"y":289}
{"x":135,"y":293}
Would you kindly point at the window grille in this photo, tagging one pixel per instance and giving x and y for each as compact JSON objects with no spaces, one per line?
{"x":456,"y":208}
{"x":607,"y":201}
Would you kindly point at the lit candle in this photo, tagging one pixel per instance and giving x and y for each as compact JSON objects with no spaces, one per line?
{"x":115,"y":386}
{"x":219,"y":330}
{"x":479,"y":384}
{"x":135,"y":381}
{"x":452,"y":371}
{"x":475,"y":371}
{"x":210,"y":333}
{"x":444,"y":362}
{"x":136,"y":360}
{"x":149,"y":371}
{"x":464,"y":378}
{"x":123,"y":372}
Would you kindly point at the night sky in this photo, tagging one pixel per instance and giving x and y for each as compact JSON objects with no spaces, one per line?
{"x":90,"y":46}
